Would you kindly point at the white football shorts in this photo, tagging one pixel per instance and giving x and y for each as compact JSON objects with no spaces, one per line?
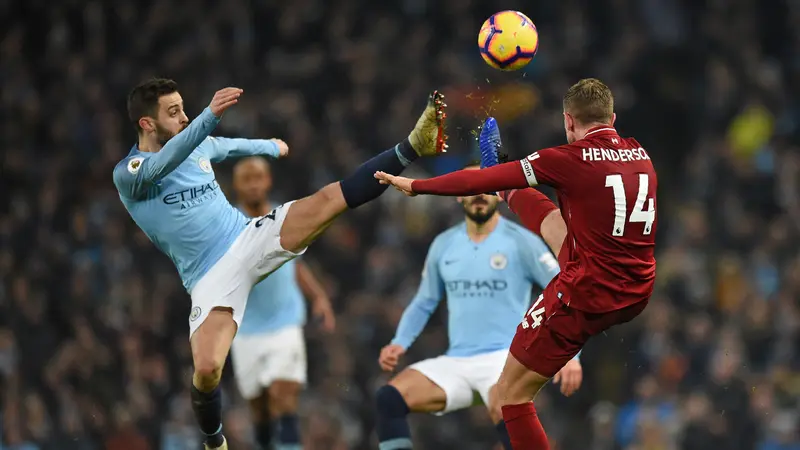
{"x":263,"y":358}
{"x":256,"y":253}
{"x":461,"y":377}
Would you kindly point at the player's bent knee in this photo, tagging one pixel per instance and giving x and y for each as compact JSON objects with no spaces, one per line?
{"x":207,"y":374}
{"x":310,"y":216}
{"x":517,"y":383}
{"x":554,"y":230}
{"x":283,"y":397}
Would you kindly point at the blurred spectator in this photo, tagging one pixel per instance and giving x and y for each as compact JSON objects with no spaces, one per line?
{"x":93,"y":336}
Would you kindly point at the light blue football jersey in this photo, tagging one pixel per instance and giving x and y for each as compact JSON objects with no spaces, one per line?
{"x":275,"y":303}
{"x":173,"y":195}
{"x":488,"y":287}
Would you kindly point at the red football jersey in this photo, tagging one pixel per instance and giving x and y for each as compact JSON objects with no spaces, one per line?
{"x":607,"y":194}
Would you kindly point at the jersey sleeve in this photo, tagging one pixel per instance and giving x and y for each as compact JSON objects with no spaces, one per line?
{"x":540,"y":264}
{"x":135,"y":174}
{"x":553,"y":166}
{"x":223,"y":148}
{"x":473,"y":182}
{"x":430,"y":293}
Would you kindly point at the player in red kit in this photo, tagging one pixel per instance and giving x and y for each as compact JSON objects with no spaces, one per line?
{"x":604,"y":236}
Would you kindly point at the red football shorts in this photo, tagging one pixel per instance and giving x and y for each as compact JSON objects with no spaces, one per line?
{"x":552,"y":333}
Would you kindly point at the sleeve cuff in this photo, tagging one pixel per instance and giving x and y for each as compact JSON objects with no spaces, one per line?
{"x":209,"y":116}
{"x":272,"y":149}
{"x":401,"y":342}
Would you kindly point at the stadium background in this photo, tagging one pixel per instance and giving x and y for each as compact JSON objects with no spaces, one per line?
{"x":93,"y":348}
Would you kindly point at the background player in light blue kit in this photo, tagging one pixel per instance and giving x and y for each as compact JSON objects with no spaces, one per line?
{"x":168,"y":186}
{"x":269,"y":351}
{"x":486,"y":266}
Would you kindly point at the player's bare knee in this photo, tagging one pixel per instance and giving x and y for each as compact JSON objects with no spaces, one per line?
{"x":256,"y":406}
{"x":554,"y":230}
{"x":207,"y":374}
{"x":283,"y":397}
{"x":519,"y":389}
{"x":311,"y":216}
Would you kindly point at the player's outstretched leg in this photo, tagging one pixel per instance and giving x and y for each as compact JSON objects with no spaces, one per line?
{"x":409,"y":391}
{"x":536,"y":212}
{"x":310,"y":216}
{"x":210,"y":345}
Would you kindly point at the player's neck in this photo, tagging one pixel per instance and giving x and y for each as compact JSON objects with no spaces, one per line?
{"x":478,"y":232}
{"x":256,"y":209}
{"x":148,"y":144}
{"x":583,"y":130}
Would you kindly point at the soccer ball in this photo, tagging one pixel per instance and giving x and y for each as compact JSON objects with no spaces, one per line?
{"x":508,"y":40}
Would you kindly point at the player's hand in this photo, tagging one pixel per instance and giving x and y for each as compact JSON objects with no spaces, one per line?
{"x":390,"y":356}
{"x":224,"y":99}
{"x":322,"y":310}
{"x":282,"y":147}
{"x":570,"y":377}
{"x":402,"y":184}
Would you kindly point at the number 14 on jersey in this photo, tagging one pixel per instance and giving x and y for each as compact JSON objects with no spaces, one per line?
{"x":639,"y":214}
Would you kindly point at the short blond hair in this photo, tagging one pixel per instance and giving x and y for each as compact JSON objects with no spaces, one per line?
{"x":589,"y":101}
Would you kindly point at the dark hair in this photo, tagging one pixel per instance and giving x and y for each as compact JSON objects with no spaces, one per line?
{"x":143,"y":99}
{"x":472,"y":163}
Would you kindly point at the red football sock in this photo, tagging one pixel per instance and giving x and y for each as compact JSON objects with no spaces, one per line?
{"x":530,"y":205}
{"x":524,"y":428}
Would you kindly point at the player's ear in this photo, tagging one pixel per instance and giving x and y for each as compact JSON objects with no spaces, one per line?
{"x":147,"y":124}
{"x":613,"y":118}
{"x":569,"y":122}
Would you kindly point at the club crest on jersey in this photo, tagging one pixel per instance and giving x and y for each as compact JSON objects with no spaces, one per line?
{"x":498,"y":261}
{"x":134,"y":164}
{"x":205,"y":164}
{"x":195,"y":313}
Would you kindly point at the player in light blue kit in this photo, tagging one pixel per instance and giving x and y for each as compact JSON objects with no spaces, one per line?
{"x":486,"y":266}
{"x":168,"y":186}
{"x":269,"y":351}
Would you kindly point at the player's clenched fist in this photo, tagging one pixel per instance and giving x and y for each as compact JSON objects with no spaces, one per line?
{"x":282,"y":147}
{"x":390,"y":356}
{"x":224,"y":99}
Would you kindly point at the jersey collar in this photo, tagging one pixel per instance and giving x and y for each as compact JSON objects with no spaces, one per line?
{"x":602,"y":130}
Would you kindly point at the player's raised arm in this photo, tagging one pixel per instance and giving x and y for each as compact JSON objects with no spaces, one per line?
{"x":430,"y":293}
{"x":223,"y":148}
{"x":136,"y":174}
{"x":462,"y":182}
{"x":550,"y":167}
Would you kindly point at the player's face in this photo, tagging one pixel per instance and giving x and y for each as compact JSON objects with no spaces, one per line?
{"x":479,"y":208}
{"x":252,"y":181}
{"x":171,"y":118}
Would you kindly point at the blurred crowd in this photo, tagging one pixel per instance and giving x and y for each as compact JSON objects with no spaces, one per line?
{"x":94,"y":347}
